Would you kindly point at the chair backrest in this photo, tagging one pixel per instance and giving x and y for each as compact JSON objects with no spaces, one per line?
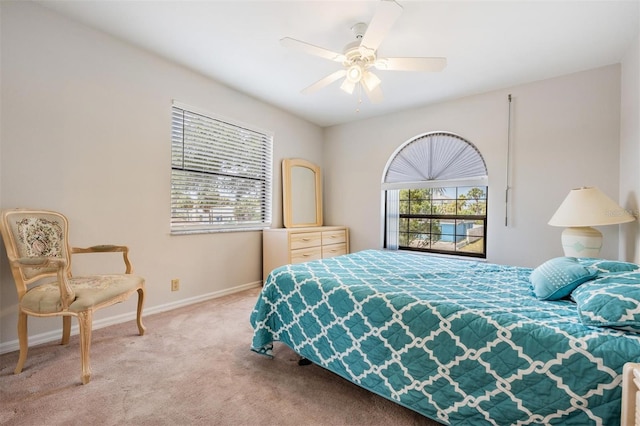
{"x":31,"y":234}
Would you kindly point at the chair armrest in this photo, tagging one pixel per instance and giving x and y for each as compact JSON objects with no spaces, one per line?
{"x":57,"y":262}
{"x":107,"y":248}
{"x":104,"y":248}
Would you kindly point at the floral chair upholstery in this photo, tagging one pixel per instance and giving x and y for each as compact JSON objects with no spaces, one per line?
{"x":37,"y":246}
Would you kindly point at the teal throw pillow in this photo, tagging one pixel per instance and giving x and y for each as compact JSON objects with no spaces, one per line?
{"x":603,"y":265}
{"x":610,"y":301}
{"x":558,"y":277}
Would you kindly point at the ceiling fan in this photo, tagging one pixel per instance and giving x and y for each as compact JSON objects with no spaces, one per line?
{"x":360,"y":56}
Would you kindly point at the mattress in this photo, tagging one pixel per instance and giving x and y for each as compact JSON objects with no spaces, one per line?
{"x":461,"y":342}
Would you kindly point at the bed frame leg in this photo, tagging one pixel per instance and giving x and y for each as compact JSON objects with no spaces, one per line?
{"x":304,"y":361}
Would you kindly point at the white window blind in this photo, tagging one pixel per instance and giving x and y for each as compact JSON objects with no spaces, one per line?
{"x":220,"y":174}
{"x":435,"y":159}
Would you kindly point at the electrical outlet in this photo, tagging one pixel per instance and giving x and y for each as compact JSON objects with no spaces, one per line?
{"x":175,"y":284}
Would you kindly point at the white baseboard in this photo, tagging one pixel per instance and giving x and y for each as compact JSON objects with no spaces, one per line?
{"x":51,"y":336}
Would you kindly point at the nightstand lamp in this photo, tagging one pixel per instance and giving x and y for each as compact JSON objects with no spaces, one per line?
{"x":582,"y":209}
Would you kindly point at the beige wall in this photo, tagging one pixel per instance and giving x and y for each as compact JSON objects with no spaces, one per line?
{"x":565,"y":135}
{"x":86,"y":131}
{"x":630,"y":151}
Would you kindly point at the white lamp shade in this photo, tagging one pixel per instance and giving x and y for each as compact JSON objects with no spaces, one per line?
{"x":589,"y":207}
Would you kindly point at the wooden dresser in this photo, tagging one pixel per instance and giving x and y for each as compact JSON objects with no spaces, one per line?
{"x":283,"y":246}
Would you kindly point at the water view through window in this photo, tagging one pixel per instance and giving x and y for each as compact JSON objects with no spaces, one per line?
{"x":444,"y":220}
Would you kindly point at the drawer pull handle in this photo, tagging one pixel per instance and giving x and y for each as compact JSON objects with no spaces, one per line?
{"x":306,"y":239}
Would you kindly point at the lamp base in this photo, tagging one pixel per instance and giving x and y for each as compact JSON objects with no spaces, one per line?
{"x":582,"y":241}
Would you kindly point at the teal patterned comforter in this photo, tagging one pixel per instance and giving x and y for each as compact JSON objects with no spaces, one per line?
{"x":461,"y":342}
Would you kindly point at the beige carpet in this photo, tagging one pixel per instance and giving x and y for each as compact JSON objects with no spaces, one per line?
{"x":193,"y":367}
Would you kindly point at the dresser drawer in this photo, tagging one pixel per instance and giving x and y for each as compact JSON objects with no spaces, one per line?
{"x":334,"y":250}
{"x":305,"y":239}
{"x":334,"y":237}
{"x":306,"y":254}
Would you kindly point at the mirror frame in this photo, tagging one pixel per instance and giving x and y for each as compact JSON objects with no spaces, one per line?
{"x":288,"y":203}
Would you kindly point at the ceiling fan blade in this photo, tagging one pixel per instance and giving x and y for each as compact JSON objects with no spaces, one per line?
{"x":411,"y":64}
{"x":375,"y":95}
{"x":302,"y":46}
{"x":324,"y":81}
{"x":386,"y":15}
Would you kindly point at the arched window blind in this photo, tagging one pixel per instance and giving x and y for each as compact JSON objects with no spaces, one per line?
{"x":435,"y":159}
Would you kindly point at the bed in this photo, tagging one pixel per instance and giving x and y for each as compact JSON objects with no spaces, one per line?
{"x":463,"y":342}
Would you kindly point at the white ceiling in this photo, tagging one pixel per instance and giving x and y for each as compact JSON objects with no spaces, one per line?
{"x":488,"y":44}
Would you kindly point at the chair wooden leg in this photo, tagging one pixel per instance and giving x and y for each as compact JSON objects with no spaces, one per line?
{"x":85,"y":320}
{"x":141,"y":327}
{"x":66,"y":330}
{"x":23,"y":337}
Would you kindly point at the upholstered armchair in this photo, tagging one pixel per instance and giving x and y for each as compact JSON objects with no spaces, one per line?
{"x":37,"y":247}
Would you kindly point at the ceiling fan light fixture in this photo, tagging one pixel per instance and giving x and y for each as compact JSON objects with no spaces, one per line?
{"x":347,"y":86}
{"x":354,"y":73}
{"x":370,"y":80}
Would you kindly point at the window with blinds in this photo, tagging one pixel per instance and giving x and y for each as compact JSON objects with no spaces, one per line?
{"x":220,"y":174}
{"x":435,"y":189}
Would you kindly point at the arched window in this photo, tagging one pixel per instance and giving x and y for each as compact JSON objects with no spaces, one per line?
{"x":435,"y":191}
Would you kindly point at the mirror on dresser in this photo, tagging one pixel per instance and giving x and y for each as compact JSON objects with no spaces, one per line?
{"x":301,"y":193}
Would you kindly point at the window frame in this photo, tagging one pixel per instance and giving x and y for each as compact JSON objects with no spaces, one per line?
{"x":440,"y":216}
{"x":210,"y":167}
